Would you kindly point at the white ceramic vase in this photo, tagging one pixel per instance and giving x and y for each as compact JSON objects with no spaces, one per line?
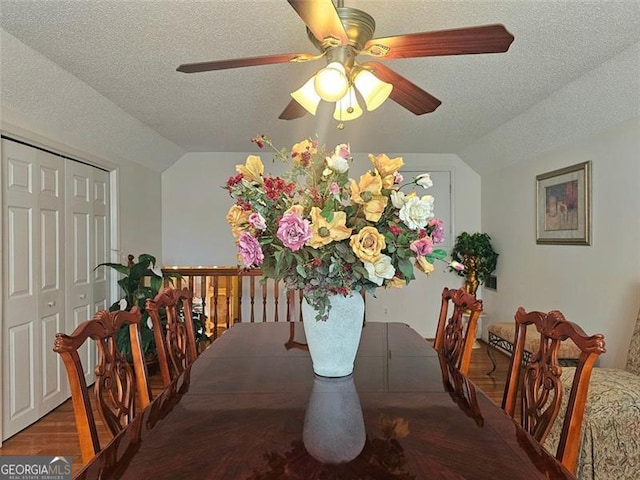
{"x":333,"y":343}
{"x":333,"y":424}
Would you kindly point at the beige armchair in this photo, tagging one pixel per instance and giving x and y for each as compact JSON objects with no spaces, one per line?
{"x":610,"y":443}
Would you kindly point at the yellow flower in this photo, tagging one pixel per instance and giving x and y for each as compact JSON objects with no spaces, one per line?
{"x":386,"y":166}
{"x":252,"y":170}
{"x":367,"y":244}
{"x":238,"y":219}
{"x":373,"y":209}
{"x":396,"y":282}
{"x":324,"y":232}
{"x":297,"y":208}
{"x":302,"y":152}
{"x":424,"y":265}
{"x":369,"y":193}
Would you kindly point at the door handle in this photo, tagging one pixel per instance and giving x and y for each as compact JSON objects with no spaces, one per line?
{"x":83,"y":296}
{"x":51,"y":304}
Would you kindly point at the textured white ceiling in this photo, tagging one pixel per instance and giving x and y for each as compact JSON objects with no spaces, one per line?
{"x":128,"y":51}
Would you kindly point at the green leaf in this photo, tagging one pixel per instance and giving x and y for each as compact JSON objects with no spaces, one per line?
{"x":301,"y":271}
{"x":406,"y":268}
{"x":116,"y":266}
{"x":327,"y":212}
{"x":156,"y":283}
{"x":147,"y":259}
{"x":437,"y":254}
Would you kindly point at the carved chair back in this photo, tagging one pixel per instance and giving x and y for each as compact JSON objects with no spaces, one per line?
{"x":455,"y":337}
{"x":540,"y":388}
{"x":175,"y":338}
{"x":117,"y":382}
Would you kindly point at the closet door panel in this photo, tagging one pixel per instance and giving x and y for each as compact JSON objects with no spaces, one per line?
{"x":34,"y":278}
{"x":20,"y":355}
{"x":101,"y":239}
{"x":78,"y":211}
{"x":52,"y":388}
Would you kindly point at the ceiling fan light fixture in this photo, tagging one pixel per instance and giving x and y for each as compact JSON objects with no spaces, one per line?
{"x":347,"y":108}
{"x":331,"y":83}
{"x":307,"y":97}
{"x":373,"y":90}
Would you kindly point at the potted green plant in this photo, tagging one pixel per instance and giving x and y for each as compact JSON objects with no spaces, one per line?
{"x":136,"y":292}
{"x":477,"y":255}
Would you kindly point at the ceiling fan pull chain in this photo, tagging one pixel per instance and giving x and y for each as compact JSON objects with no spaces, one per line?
{"x":340,"y":125}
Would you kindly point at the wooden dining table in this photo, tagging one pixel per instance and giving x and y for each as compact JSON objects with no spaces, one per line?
{"x":250,"y":407}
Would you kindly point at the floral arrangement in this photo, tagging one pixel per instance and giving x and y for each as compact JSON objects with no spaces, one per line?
{"x":326,"y":234}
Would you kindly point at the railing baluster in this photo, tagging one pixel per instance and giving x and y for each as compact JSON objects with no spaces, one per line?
{"x":227,"y":286}
{"x":214,"y":301}
{"x":276,"y":299}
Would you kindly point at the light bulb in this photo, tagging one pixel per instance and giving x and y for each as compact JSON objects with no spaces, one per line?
{"x":347,"y":108}
{"x":331,"y":82}
{"x":373,"y":90}
{"x":307,"y":97}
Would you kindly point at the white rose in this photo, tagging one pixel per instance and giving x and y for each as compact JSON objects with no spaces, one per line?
{"x":417,"y":212}
{"x":398,"y":199}
{"x":377,"y":272}
{"x":424,"y":180}
{"x":337,"y":163}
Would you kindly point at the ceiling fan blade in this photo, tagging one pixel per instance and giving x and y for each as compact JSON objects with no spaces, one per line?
{"x":292,"y":111}
{"x":460,"y":41}
{"x":244,"y":62}
{"x":404,"y":93}
{"x":321,"y":18}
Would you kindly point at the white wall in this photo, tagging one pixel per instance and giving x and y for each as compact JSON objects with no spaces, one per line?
{"x":596,"y":286}
{"x":195,"y":232}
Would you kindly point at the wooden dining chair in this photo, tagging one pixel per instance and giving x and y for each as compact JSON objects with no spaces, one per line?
{"x":175,"y":335}
{"x":117,"y":382}
{"x":454,"y":340}
{"x":540,"y":388}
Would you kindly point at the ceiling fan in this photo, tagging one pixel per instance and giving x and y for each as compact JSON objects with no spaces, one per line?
{"x":341,"y":34}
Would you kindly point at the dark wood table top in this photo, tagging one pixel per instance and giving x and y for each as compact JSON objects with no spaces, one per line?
{"x":239,"y":413}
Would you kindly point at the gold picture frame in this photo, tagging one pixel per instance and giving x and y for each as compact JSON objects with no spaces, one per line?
{"x":563,"y":206}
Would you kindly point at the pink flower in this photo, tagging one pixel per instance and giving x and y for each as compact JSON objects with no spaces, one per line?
{"x":422,"y":246}
{"x":344,"y":150}
{"x":257,"y":221}
{"x":250,"y":251}
{"x":397,"y":178}
{"x":293,"y":231}
{"x":456,"y":266}
{"x":437,"y":235}
{"x":334,"y":188}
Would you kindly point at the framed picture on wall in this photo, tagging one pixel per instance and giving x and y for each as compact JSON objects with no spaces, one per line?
{"x":563,"y":206}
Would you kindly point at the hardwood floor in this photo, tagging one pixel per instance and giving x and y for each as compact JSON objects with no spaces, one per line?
{"x":55,"y":433}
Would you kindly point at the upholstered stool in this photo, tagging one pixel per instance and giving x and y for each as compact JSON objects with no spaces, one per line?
{"x":502,"y":336}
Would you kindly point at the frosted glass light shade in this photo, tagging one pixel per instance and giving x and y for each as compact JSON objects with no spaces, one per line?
{"x":347,"y":108}
{"x":331,"y":82}
{"x":373,"y":90}
{"x":307,"y":97}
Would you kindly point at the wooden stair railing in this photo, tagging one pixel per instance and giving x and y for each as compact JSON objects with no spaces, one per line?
{"x":228,"y":295}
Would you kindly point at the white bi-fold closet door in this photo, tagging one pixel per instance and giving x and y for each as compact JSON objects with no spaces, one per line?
{"x":56,"y":230}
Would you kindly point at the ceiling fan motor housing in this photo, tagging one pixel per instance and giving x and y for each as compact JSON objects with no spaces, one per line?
{"x":359,"y":25}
